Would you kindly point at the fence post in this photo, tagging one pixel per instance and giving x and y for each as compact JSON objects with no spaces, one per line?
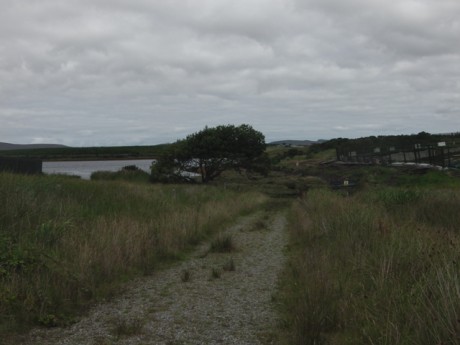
{"x":448,"y":156}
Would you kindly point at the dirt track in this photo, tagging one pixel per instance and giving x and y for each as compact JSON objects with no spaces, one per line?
{"x":184,"y":304}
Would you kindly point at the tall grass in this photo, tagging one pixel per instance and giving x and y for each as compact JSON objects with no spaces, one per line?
{"x":66,"y":242}
{"x":381,"y":267}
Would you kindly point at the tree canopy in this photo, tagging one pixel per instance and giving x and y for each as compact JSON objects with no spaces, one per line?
{"x":211,"y":151}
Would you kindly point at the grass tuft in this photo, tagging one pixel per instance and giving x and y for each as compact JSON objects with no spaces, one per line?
{"x":185,"y":276}
{"x":215,"y":273}
{"x":127,"y":327}
{"x":223,"y":243}
{"x":229,"y":265}
{"x":259,"y":225}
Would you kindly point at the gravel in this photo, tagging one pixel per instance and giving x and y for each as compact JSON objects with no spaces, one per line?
{"x":185,"y":304}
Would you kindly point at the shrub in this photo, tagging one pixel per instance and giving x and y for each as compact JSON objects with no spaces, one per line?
{"x":130,"y":175}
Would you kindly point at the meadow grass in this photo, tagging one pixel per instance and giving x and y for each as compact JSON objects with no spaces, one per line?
{"x":66,"y":242}
{"x":380,"y":267}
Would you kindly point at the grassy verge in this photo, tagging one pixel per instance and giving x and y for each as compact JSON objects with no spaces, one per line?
{"x":381,"y":267}
{"x":66,"y":242}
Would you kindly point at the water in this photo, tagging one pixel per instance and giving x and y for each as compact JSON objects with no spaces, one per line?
{"x":84,"y":169}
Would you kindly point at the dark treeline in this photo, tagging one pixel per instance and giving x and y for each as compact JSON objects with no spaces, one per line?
{"x":386,"y":143}
{"x":64,"y":153}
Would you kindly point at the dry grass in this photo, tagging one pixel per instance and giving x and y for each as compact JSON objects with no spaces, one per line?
{"x":65,"y":242}
{"x":372,"y":269}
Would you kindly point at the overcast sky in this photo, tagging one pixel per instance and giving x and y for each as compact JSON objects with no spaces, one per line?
{"x":129,"y":72}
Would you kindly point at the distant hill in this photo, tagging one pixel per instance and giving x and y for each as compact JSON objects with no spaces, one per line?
{"x":296,"y":142}
{"x":7,"y":146}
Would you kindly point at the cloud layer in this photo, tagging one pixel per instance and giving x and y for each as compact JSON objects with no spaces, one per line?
{"x":83,"y":72}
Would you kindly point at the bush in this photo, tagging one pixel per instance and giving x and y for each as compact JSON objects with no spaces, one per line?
{"x":128,"y":173}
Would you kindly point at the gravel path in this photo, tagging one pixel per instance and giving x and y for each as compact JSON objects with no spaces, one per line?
{"x":185,"y":304}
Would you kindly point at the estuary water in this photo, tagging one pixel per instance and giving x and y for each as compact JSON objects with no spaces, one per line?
{"x":84,"y":169}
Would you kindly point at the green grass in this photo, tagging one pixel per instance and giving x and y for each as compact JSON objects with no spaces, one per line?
{"x":381,"y":267}
{"x":66,"y":242}
{"x":433,"y":178}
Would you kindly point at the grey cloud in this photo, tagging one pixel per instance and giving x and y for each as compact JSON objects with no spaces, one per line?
{"x":148,"y":72}
{"x":409,"y":28}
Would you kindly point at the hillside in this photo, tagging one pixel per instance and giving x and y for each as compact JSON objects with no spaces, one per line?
{"x":296,"y":142}
{"x":60,"y":152}
{"x":8,"y":146}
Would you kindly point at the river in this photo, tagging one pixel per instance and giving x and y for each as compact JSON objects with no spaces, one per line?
{"x":84,"y":169}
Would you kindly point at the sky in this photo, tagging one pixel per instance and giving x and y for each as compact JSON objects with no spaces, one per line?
{"x":143,"y":72}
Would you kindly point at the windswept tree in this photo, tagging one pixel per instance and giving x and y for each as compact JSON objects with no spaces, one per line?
{"x":211,"y":151}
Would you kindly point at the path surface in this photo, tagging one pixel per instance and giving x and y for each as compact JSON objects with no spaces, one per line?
{"x":236,"y":308}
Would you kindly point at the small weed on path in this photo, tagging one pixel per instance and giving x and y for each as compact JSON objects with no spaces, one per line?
{"x":229,"y":265}
{"x":222,"y":244}
{"x":185,"y":276}
{"x":259,"y":225}
{"x":215,"y":273}
{"x":124,"y":327}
